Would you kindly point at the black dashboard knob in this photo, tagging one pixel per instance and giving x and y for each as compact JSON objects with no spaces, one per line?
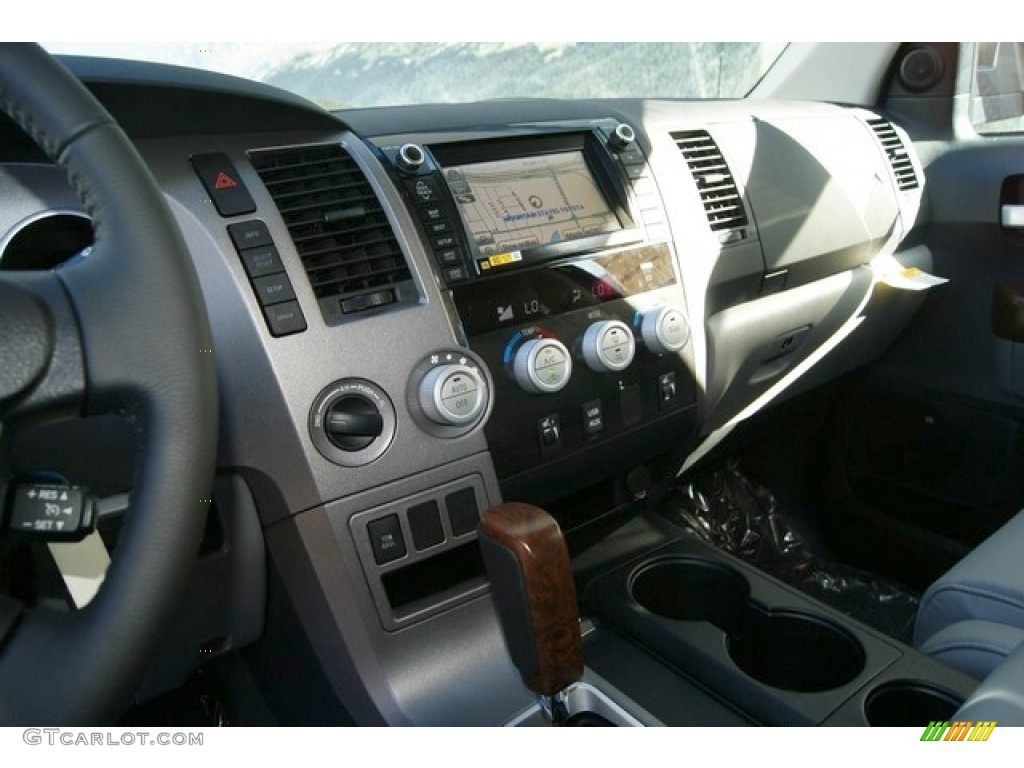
{"x":622,"y":137}
{"x":410,"y":157}
{"x":353,"y":422}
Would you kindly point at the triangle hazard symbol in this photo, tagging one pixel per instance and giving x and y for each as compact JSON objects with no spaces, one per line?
{"x":223,"y":181}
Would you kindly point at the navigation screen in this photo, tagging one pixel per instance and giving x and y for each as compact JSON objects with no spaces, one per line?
{"x":511,"y":205}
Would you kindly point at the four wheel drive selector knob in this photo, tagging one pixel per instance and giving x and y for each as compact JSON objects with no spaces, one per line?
{"x":542,"y":365}
{"x":452,"y":395}
{"x":664,"y":330}
{"x":608,"y":345}
{"x":353,"y":422}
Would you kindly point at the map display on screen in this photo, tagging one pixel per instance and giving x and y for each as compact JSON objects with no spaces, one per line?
{"x":512,"y":205}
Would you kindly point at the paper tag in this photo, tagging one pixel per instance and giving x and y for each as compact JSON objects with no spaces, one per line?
{"x":912,"y":279}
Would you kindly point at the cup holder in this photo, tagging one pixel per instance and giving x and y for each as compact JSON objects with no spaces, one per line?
{"x":784,"y":649}
{"x":796,"y":652}
{"x":692,"y":590}
{"x":906,"y":703}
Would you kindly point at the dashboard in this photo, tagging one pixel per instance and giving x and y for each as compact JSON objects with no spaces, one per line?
{"x":420,"y":312}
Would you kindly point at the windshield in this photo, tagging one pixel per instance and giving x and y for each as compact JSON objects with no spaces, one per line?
{"x":345,"y":75}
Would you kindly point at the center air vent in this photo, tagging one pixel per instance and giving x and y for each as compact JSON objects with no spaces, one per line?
{"x":902,"y":165}
{"x":722,"y":202}
{"x":339,"y":229}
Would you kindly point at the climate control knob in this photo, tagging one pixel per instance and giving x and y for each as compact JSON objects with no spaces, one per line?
{"x":608,"y":345}
{"x":542,"y":366}
{"x":664,"y":329}
{"x":453,"y":395}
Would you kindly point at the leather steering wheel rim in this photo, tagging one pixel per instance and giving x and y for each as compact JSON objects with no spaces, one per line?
{"x":145,"y":350}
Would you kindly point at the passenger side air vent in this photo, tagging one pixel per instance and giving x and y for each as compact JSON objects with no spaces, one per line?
{"x":718,"y":191}
{"x":902,"y":166}
{"x":339,"y":228}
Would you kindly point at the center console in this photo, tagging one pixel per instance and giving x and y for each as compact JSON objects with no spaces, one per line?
{"x":756,"y":644}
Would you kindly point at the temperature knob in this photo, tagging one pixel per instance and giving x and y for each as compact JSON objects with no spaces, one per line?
{"x":664,"y":329}
{"x":453,"y":395}
{"x":542,"y":365}
{"x":608,"y":346}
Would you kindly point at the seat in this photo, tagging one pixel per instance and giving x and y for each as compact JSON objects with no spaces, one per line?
{"x":1000,"y":698}
{"x":972,"y":617}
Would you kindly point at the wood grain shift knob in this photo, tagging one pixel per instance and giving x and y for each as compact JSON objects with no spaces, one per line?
{"x":528,"y":564}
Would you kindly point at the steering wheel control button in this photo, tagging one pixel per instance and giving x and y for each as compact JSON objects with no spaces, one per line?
{"x":285,"y":319}
{"x":223,"y":184}
{"x":452,"y":395}
{"x":542,"y":366}
{"x":249,"y":234}
{"x":261,"y":261}
{"x":608,"y":345}
{"x":50,"y":512}
{"x":664,"y":330}
{"x":386,"y":540}
{"x":463,"y":511}
{"x":273,"y":289}
{"x":425,"y":525}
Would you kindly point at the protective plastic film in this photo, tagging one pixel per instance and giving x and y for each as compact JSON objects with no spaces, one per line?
{"x":728,"y":510}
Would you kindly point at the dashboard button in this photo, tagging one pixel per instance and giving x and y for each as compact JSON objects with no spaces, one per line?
{"x":463,"y":511}
{"x":632,"y":156}
{"x":273,"y":289}
{"x":261,"y":261}
{"x":223,"y":184}
{"x":550,"y":431}
{"x":386,"y":539}
{"x":430,"y":213}
{"x":667,"y":390}
{"x":425,"y":525}
{"x":455,"y":274}
{"x":423,"y":190}
{"x":249,"y":234}
{"x":593,"y":417}
{"x":285,"y":318}
{"x":449,"y":256}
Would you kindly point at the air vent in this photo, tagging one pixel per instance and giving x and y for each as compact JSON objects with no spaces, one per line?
{"x":722,"y":202}
{"x":902,"y":166}
{"x":339,"y":228}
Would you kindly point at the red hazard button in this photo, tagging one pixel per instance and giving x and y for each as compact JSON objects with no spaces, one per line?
{"x":223,"y":181}
{"x":222,"y":184}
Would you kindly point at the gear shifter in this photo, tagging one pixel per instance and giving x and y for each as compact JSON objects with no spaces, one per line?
{"x":527,"y":562}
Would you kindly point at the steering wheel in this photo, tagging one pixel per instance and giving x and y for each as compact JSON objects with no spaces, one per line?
{"x":121,"y":331}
